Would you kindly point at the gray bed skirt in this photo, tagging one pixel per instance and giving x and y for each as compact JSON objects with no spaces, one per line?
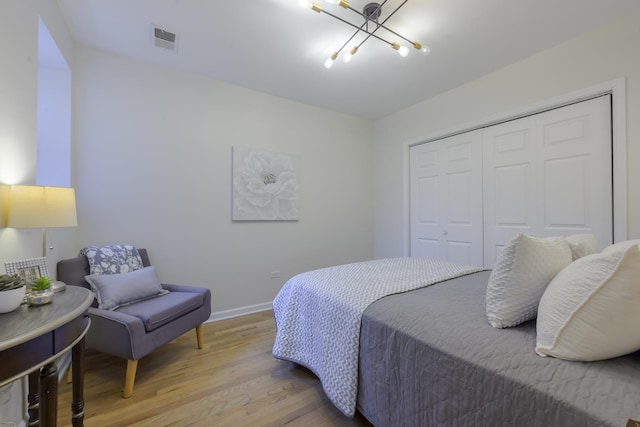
{"x":430,"y":358}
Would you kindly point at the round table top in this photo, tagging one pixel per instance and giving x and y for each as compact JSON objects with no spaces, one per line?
{"x":28,"y":322}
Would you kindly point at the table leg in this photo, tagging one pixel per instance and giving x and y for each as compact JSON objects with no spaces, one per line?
{"x":49,"y":395}
{"x":33,"y":399}
{"x":77,"y":366}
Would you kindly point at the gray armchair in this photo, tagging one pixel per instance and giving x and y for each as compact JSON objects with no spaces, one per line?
{"x":135,"y":330}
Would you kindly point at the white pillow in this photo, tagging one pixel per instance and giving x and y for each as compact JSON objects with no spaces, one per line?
{"x":523,"y":270}
{"x":591,"y":310}
{"x":621,"y":245}
{"x":582,"y":245}
{"x":115,"y":290}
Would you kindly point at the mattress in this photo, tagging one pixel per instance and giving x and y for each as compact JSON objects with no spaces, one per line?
{"x":430,"y":358}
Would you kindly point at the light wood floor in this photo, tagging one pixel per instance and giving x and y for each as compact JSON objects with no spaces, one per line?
{"x":233,"y":381}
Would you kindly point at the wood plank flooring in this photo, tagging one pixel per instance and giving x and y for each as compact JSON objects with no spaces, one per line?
{"x":233,"y":381}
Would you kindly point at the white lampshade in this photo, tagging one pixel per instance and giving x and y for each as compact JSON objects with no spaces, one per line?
{"x":32,"y":206}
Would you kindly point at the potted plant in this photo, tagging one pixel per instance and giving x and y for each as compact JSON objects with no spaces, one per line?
{"x":12,"y":290}
{"x":40,"y":291}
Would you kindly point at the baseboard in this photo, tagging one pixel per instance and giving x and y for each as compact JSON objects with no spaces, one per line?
{"x":241,"y":311}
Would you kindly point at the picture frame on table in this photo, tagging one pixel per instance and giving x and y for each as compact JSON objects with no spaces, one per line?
{"x":28,"y":269}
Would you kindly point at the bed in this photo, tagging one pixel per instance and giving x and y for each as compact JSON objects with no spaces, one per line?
{"x":427,"y":363}
{"x":427,"y":356}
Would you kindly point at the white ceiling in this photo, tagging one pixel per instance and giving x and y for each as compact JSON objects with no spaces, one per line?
{"x":277,"y":47}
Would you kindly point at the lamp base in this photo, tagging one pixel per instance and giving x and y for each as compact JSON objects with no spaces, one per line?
{"x":58,"y":286}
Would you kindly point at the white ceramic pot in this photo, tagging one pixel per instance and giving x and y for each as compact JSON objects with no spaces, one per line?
{"x":10,"y":300}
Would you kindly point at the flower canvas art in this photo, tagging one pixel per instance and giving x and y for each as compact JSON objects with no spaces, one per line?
{"x":265,"y":186}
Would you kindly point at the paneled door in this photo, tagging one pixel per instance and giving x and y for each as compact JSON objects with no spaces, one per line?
{"x":446,"y":199}
{"x":549,"y":175}
{"x":510,"y":185}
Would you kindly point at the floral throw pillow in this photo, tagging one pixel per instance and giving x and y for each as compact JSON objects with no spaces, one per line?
{"x":112,"y":259}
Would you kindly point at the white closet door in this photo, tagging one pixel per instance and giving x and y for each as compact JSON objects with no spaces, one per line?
{"x":576,"y":170}
{"x":549,"y":175}
{"x":446,"y":199}
{"x":510,"y":185}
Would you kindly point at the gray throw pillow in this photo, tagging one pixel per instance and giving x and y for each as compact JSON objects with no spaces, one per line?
{"x":115,"y":290}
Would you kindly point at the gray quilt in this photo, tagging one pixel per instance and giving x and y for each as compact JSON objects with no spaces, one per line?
{"x":430,"y":358}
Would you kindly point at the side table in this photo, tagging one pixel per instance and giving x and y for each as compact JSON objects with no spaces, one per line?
{"x":32,"y":338}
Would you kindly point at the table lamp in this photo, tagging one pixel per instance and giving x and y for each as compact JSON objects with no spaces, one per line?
{"x":34,"y":206}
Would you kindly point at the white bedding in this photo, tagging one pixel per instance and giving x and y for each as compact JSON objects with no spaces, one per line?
{"x":318,"y":315}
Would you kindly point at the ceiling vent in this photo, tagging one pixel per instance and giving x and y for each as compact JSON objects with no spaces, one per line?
{"x":164,"y":39}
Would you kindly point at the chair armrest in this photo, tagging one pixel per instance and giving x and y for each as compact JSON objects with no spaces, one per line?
{"x":132,"y":323}
{"x":205,"y":292}
{"x":115,"y":333}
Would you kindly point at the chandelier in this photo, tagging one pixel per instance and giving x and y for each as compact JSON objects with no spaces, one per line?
{"x":371,"y":14}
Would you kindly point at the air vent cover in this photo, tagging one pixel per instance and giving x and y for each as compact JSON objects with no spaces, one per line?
{"x":164,"y":39}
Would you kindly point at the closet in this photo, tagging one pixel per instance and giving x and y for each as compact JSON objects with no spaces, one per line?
{"x":546,"y":174}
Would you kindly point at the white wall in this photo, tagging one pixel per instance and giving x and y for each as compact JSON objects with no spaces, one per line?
{"x":591,"y":59}
{"x":54,"y":113}
{"x":18,"y":144}
{"x":153,"y":149}
{"x":54,"y":110}
{"x":18,"y":117}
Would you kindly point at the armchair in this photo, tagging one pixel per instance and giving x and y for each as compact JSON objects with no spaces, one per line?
{"x":135,"y":330}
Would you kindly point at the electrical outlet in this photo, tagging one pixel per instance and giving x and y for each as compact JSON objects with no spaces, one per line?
{"x":275,"y":274}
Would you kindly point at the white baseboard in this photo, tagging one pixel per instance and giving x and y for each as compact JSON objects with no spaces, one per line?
{"x":241,"y":311}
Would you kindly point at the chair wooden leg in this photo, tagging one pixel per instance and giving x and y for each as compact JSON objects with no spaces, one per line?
{"x":199,"y":336}
{"x":130,"y":377}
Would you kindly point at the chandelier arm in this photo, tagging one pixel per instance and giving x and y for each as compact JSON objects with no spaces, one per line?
{"x":371,"y":34}
{"x":365,"y":39}
{"x":351,"y":38}
{"x":399,"y":35}
{"x":355,"y":26}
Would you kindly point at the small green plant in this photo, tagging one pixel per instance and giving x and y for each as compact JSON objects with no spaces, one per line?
{"x":41,"y":284}
{"x":8,"y":282}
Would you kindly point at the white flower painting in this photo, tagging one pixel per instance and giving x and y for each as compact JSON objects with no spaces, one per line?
{"x":265,"y":186}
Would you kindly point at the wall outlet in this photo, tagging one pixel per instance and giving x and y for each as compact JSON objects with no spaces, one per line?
{"x":275,"y":274}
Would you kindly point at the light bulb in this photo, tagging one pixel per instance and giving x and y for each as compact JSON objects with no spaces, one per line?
{"x":330,"y":60}
{"x":402,"y":50}
{"x":304,"y":3}
{"x":333,"y":1}
{"x":347,"y":57}
{"x":328,"y":63}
